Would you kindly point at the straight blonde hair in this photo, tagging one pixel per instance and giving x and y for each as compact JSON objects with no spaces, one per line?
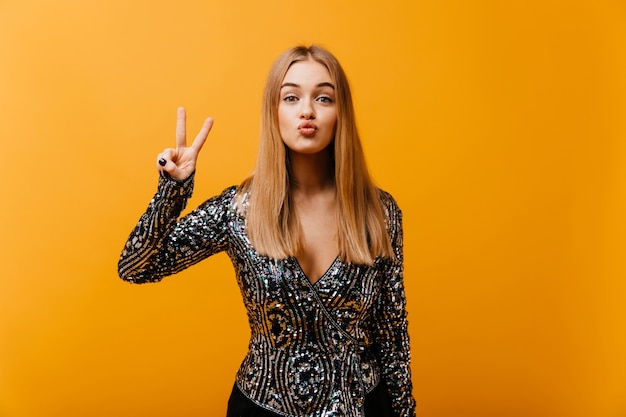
{"x":271,"y":223}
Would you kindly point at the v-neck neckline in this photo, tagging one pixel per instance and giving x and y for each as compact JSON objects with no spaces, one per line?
{"x":307,"y":279}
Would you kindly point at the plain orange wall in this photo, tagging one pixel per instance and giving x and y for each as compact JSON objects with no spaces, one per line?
{"x":499,"y":127}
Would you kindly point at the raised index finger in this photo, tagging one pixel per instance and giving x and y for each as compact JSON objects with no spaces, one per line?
{"x":202,"y":135}
{"x":181,"y":135}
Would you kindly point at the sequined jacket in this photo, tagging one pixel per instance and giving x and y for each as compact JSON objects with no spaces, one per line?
{"x":315,"y":349}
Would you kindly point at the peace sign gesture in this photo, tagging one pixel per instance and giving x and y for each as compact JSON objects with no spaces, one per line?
{"x":180,"y":162}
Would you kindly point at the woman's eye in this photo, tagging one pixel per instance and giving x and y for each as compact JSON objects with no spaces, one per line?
{"x":325,"y":99}
{"x":290,"y":98}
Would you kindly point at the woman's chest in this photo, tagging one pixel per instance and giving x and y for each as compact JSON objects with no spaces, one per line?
{"x":348,"y":292}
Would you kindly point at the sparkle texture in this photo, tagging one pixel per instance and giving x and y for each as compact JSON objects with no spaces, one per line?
{"x":315,"y":349}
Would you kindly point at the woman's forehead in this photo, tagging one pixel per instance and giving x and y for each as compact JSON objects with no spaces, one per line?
{"x":307,"y":72}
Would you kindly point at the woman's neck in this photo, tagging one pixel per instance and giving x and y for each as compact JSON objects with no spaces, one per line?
{"x":312,"y":173}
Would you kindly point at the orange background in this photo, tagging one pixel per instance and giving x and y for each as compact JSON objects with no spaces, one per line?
{"x":498,"y":126}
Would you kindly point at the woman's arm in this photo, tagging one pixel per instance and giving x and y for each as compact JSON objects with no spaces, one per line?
{"x":391,"y":326}
{"x":161,"y":245}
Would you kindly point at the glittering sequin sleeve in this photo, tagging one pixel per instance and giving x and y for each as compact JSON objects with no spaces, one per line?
{"x":162,"y":245}
{"x":391,"y":325}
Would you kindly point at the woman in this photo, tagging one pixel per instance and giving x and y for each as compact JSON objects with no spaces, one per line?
{"x":317,"y":251}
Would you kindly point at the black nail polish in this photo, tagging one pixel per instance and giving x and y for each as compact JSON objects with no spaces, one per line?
{"x":162,"y":162}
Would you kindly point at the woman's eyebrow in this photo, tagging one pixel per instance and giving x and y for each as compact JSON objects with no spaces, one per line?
{"x":324,"y":84}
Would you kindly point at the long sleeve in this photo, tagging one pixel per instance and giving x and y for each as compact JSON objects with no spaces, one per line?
{"x":162,"y":245}
{"x":391,"y":325}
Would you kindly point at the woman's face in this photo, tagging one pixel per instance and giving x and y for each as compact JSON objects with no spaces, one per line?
{"x":307,"y":113}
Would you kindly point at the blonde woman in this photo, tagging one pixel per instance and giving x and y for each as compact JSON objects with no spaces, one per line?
{"x":316,"y":247}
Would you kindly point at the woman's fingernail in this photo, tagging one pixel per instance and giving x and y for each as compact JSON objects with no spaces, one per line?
{"x":162,"y":162}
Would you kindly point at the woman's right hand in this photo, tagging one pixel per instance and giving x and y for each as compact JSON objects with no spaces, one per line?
{"x":180,"y":162}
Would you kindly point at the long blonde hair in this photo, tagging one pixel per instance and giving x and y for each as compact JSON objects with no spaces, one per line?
{"x":272,"y":226}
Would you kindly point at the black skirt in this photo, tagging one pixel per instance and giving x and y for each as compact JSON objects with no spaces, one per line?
{"x":377,"y":404}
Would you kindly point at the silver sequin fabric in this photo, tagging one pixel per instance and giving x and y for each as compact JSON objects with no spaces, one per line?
{"x":316,"y":349}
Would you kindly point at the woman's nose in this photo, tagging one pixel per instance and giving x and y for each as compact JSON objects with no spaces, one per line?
{"x":306,"y":111}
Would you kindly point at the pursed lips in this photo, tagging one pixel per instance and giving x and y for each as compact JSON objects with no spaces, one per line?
{"x":307,"y":128}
